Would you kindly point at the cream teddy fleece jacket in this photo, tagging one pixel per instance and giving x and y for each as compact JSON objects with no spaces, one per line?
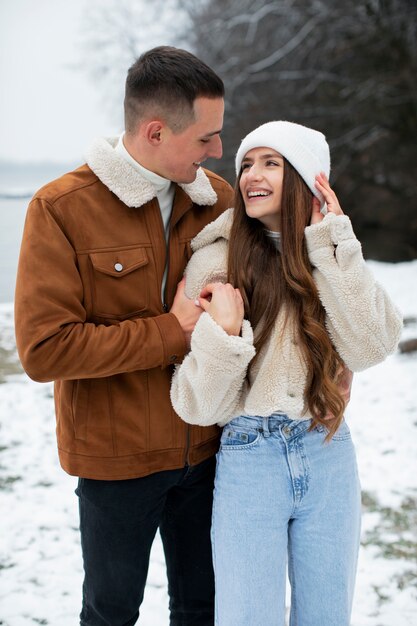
{"x":211,"y":385}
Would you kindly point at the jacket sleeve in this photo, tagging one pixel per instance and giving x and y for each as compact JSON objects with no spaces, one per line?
{"x":207,"y":386}
{"x":362,"y":321}
{"x":54,"y":340}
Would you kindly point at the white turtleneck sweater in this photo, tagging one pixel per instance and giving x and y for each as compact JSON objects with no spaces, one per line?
{"x":165,"y":191}
{"x":275,"y":236}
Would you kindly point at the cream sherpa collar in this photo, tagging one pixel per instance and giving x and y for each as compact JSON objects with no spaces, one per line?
{"x":219,"y":229}
{"x":129,"y":185}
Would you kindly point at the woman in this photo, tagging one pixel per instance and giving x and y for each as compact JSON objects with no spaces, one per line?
{"x":287,"y":481}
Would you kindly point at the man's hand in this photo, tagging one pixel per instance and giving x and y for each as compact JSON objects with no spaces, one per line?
{"x":186,"y":311}
{"x":345,"y":376}
{"x":225,"y":305}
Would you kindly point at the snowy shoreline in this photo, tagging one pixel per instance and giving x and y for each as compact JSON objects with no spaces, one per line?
{"x":40,"y":557}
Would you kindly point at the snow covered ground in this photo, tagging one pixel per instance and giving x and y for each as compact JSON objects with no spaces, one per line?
{"x":40,"y":557}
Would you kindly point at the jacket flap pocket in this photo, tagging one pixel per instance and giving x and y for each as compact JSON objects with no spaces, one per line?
{"x":119,"y":262}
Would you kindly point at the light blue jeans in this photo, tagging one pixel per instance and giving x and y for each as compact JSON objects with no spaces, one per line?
{"x":281,"y":491}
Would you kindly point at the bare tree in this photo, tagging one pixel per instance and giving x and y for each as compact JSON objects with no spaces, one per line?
{"x":347,"y":69}
{"x":115,"y":32}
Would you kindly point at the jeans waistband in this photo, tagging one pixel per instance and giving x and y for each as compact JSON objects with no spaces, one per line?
{"x":271,"y":423}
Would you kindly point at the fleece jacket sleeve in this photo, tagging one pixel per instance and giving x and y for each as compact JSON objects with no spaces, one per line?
{"x":207,"y":386}
{"x":361,"y":319}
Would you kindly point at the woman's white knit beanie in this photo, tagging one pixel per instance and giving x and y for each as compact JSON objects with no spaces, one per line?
{"x":306,"y":149}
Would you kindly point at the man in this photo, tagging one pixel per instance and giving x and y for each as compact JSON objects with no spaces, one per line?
{"x":99,"y":312}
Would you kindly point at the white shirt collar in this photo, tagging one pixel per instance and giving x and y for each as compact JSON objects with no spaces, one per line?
{"x":159,"y":182}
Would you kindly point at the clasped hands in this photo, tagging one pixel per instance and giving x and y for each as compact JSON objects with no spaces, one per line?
{"x":224,"y":304}
{"x":221,"y":301}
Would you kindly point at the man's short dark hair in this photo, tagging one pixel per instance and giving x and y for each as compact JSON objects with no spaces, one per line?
{"x":164,"y":82}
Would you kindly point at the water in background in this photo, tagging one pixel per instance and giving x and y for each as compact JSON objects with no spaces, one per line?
{"x":12,"y":216}
{"x":18,"y":182}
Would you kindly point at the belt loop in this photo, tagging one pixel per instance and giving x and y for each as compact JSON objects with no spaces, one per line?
{"x":265,"y":427}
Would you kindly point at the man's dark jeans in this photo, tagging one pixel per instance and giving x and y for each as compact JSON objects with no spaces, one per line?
{"x":118,"y":523}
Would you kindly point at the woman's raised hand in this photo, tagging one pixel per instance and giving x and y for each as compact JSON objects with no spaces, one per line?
{"x":224,"y":304}
{"x":333,"y":206}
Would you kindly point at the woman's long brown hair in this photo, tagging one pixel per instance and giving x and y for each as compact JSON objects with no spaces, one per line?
{"x":268,"y":279}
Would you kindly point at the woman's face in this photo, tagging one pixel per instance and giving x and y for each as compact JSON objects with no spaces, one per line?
{"x":261,"y":186}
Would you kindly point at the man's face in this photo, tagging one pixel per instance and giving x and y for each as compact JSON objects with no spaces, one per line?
{"x":180,"y":155}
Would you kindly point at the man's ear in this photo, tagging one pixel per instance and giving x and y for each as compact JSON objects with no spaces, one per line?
{"x":154,"y":132}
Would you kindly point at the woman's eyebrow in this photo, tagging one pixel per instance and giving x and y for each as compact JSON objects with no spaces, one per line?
{"x":275,"y":155}
{"x":264,"y":156}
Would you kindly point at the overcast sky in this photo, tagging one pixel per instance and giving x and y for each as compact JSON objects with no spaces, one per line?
{"x":49,"y":111}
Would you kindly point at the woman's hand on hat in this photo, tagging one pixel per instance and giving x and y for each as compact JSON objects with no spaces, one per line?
{"x":224,"y":304}
{"x":333,"y":206}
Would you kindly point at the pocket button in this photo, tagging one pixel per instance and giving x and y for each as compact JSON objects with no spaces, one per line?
{"x":118,"y":267}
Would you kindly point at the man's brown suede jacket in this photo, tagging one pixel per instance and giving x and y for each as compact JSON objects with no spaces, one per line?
{"x":89,"y":314}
